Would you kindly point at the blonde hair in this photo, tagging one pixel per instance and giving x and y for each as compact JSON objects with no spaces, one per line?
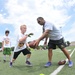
{"x":22,"y":26}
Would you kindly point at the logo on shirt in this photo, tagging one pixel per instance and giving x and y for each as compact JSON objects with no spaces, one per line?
{"x":21,"y":44}
{"x":7,"y":41}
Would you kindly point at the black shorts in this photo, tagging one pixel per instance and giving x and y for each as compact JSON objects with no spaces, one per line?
{"x":24,"y":51}
{"x":53,"y":43}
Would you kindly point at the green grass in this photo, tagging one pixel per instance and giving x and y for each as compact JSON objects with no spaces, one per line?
{"x":66,"y":70}
{"x":38,"y":59}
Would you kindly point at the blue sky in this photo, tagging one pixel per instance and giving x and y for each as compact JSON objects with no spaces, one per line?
{"x":13,"y":13}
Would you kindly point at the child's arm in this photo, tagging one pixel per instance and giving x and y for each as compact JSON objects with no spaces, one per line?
{"x":2,"y":45}
{"x":23,"y":38}
{"x":27,"y":45}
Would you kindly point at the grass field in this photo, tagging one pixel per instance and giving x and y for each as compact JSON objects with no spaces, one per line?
{"x":38,"y":59}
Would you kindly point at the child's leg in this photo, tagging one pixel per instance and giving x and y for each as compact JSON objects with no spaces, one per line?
{"x":4,"y":54}
{"x":28,"y":57}
{"x":15,"y":55}
{"x":9,"y":53}
{"x":4,"y":58}
{"x":28,"y":53}
{"x":28,"y":63}
{"x":10,"y":56}
{"x":11,"y":62}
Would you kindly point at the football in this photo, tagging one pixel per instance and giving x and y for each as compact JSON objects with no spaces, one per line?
{"x":31,"y":44}
{"x":62,"y":62}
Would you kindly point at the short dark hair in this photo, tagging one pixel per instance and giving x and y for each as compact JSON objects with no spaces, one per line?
{"x":40,"y":18}
{"x":7,"y":31}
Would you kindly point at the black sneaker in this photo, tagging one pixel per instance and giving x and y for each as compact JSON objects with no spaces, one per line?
{"x":4,"y":61}
{"x":10,"y":64}
{"x":28,"y":63}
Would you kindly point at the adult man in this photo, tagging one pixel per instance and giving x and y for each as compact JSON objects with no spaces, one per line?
{"x":55,"y":38}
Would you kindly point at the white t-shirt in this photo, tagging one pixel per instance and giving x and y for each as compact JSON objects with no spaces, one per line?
{"x":55,"y":33}
{"x":20,"y":46}
{"x":7,"y":43}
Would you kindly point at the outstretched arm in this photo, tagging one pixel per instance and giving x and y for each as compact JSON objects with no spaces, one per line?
{"x":23,"y":38}
{"x":44,"y":35}
{"x":45,"y":42}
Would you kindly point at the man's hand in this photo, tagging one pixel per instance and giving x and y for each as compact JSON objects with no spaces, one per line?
{"x":37,"y":42}
{"x":45,"y":43}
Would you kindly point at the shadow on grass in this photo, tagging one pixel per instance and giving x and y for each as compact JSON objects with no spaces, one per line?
{"x":34,"y":68}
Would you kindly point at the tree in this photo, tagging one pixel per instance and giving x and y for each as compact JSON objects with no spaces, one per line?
{"x":0,"y":44}
{"x":68,"y":43}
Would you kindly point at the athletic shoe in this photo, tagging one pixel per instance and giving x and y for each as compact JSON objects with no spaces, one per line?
{"x":48,"y":64}
{"x":70,"y":63}
{"x":10,"y":64}
{"x":4,"y":61}
{"x":28,"y":63}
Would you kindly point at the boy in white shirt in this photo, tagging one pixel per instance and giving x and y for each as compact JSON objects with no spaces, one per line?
{"x":6,"y":45}
{"x":21,"y":46}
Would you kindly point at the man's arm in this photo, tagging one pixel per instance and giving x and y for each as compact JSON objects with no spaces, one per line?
{"x":45,"y":42}
{"x":44,"y":35}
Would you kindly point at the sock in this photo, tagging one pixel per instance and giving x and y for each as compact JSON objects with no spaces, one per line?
{"x":10,"y":58}
{"x":4,"y":57}
{"x":27,"y":59}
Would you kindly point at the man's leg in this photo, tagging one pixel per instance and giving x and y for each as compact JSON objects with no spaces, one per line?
{"x":68,"y":56}
{"x":49,"y":58}
{"x":66,"y":53}
{"x":50,"y":53}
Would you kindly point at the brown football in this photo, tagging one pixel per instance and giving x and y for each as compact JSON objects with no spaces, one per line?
{"x":31,"y":44}
{"x":62,"y":62}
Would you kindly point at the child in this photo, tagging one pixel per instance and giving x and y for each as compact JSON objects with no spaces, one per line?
{"x":6,"y":45}
{"x":21,"y":46}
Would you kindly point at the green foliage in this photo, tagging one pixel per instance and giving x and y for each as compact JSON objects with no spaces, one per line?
{"x":0,"y":44}
{"x":12,"y":48}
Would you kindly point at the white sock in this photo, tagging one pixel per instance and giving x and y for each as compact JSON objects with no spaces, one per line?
{"x":10,"y":58}
{"x":27,"y":59}
{"x":4,"y":57}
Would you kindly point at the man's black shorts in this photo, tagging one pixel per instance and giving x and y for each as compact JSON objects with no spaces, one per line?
{"x":53,"y":43}
{"x":24,"y":51}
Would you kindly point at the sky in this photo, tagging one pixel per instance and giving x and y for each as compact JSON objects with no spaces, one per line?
{"x":14,"y":13}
